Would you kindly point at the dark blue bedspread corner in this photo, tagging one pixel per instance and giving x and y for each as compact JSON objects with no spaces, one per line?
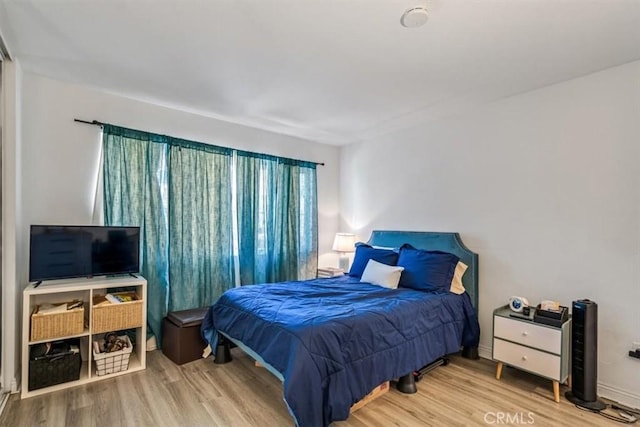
{"x":208,"y":331}
{"x":471,"y":330}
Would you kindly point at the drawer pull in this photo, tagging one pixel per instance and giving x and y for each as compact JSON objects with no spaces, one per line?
{"x":525,"y":333}
{"x":524,"y":358}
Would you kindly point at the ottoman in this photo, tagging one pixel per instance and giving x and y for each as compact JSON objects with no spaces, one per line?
{"x":181,"y":340}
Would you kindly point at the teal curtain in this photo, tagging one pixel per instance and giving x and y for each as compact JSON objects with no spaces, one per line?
{"x":256,"y":200}
{"x":200,"y":225}
{"x":277,"y":218}
{"x":307,"y":207}
{"x":135,"y":182}
{"x":179,"y":193}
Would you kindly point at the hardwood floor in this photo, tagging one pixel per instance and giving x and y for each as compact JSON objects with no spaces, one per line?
{"x":201,"y":393}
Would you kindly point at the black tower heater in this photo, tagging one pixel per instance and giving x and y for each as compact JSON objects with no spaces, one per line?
{"x":584,"y":356}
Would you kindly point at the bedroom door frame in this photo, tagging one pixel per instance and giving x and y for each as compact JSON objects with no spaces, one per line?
{"x":3,"y":393}
{"x":11,"y":224}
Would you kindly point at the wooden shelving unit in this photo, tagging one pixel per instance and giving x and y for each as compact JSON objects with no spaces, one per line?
{"x":59,"y":291}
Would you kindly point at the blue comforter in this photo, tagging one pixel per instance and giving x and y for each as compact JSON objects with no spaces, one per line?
{"x":334,"y":340}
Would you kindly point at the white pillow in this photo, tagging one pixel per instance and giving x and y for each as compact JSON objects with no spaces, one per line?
{"x":377,"y":273}
{"x":456,"y":283}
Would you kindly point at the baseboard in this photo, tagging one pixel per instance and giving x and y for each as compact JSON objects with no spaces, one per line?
{"x":151,"y":343}
{"x":485,"y":352}
{"x":624,"y":397}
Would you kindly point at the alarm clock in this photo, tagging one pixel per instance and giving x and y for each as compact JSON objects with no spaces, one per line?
{"x":517,"y":304}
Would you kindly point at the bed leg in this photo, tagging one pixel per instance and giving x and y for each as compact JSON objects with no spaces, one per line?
{"x":470,"y":353}
{"x":407,"y":384}
{"x":223,"y":351}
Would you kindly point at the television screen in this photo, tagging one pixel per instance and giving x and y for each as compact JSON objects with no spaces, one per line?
{"x":62,"y":251}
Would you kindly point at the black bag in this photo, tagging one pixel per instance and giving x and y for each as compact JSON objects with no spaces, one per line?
{"x":59,"y":365}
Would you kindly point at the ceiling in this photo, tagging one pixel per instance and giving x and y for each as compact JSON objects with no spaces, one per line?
{"x":333,"y":71}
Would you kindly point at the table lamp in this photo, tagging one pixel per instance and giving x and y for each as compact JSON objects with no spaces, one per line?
{"x":343,"y":244}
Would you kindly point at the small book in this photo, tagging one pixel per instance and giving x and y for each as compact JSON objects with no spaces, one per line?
{"x":120,"y":297}
{"x":330,"y":272}
{"x":113,"y":299}
{"x":125,"y":296}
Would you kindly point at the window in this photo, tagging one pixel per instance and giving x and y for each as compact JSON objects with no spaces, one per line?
{"x":210,"y":217}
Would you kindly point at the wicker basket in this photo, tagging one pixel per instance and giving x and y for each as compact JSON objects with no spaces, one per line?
{"x":116,"y":361}
{"x":45,"y":326}
{"x":116,"y":317}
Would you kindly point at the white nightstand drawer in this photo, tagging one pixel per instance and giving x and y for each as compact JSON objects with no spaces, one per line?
{"x":523,"y":332}
{"x":526,"y":358}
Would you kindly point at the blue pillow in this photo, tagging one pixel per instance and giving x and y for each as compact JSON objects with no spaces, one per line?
{"x":366,"y":252}
{"x":426,"y":270}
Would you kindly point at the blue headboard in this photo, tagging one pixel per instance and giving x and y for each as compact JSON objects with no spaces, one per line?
{"x":434,"y":241}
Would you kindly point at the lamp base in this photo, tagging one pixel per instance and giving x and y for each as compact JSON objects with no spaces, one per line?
{"x":343,"y":263}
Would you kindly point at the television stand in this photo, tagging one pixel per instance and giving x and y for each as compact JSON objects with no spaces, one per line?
{"x":133,"y":275}
{"x":81,"y":326}
{"x":38,"y":283}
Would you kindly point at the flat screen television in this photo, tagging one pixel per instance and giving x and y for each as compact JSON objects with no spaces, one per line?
{"x":67,"y":251}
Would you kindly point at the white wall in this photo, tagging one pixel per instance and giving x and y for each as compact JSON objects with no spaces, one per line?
{"x":543,"y":185}
{"x":60,"y":158}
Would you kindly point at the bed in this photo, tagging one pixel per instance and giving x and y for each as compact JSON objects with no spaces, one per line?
{"x":331,"y":341}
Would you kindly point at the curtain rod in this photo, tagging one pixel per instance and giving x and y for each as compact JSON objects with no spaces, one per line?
{"x":94,"y":122}
{"x":97,"y":123}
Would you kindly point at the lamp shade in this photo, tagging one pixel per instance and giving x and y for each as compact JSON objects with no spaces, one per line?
{"x":344,"y":242}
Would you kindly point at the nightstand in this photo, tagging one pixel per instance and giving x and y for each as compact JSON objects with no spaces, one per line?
{"x":329,"y":272}
{"x":533,"y":347}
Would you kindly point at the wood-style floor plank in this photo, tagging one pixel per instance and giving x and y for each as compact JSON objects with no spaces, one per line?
{"x":238,"y":394}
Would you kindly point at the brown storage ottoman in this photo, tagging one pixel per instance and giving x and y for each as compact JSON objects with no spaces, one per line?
{"x":181,"y":340}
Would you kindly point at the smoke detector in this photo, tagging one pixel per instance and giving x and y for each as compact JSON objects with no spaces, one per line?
{"x":414,"y":17}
